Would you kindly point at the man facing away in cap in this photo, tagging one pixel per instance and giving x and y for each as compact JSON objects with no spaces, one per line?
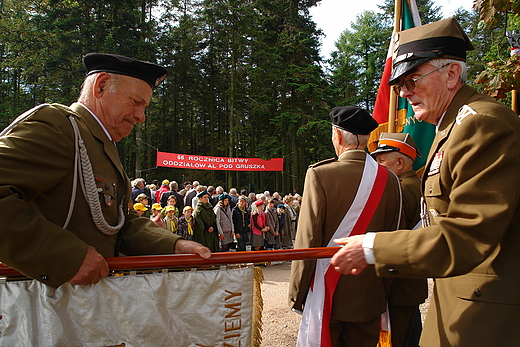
{"x":470,"y":241}
{"x":350,"y":194}
{"x":65,"y":204}
{"x":397,"y":152}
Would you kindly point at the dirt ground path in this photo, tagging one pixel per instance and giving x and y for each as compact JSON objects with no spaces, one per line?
{"x":280,"y":324}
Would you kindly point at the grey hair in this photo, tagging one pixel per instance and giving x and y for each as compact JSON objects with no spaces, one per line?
{"x":406,"y":158}
{"x":88,"y":84}
{"x":353,"y":140}
{"x":437,"y":63}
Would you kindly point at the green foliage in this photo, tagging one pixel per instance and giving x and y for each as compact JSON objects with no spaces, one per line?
{"x":501,"y":74}
{"x":245,"y":78}
{"x":357,"y":65}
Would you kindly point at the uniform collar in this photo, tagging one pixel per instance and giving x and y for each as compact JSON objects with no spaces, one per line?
{"x":460,"y":99}
{"x":351,"y":154}
{"x":97,"y":119}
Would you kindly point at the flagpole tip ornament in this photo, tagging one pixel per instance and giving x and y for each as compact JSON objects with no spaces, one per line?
{"x":397,"y":142}
{"x":415,"y":46}
{"x":353,"y":119}
{"x":151,"y":73}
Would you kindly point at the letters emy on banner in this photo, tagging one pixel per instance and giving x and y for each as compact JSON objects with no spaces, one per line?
{"x":200,"y":162}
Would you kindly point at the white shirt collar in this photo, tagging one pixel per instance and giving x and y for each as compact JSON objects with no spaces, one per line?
{"x":97,"y":119}
{"x":439,"y":123}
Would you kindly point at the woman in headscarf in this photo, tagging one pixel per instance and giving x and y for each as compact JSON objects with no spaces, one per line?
{"x":205,"y":231}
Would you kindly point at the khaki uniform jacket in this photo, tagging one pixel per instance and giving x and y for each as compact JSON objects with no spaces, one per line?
{"x":407,"y":291}
{"x":330,"y":188}
{"x":472,"y":188}
{"x":36,"y":178}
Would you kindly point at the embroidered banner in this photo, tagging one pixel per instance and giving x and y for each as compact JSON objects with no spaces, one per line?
{"x":200,"y":162}
{"x":191,"y":308}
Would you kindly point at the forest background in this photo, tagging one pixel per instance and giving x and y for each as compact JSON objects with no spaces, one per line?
{"x":245,"y":77}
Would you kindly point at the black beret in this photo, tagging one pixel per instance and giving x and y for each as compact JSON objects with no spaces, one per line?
{"x":353,"y":119}
{"x":442,"y":39}
{"x":152,"y":74}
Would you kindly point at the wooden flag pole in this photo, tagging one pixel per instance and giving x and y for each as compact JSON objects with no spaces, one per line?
{"x":192,"y":260}
{"x":393,"y":97}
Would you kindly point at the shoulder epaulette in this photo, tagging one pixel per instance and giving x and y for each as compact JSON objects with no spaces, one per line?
{"x":331,"y":160}
{"x":464,"y":111}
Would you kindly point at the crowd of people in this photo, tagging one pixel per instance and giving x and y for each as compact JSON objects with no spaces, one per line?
{"x":222,"y":221}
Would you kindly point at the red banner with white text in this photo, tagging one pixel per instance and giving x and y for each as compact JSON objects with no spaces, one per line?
{"x":189,"y":161}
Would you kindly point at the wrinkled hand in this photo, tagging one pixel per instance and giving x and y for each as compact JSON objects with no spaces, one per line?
{"x":210,"y":229}
{"x":93,"y":268}
{"x":192,"y":247}
{"x":350,"y":259}
{"x":221,"y":236}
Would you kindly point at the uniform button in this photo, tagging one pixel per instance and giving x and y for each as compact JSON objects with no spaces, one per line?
{"x":393,"y":271}
{"x":478,"y":293}
{"x":45,"y":278}
{"x":431,"y":190}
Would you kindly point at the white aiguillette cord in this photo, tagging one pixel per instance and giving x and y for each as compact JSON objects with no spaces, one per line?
{"x":88,"y":183}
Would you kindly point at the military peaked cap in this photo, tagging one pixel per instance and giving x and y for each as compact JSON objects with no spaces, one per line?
{"x":442,"y":39}
{"x":152,"y":74}
{"x":397,"y":142}
{"x":353,"y":119}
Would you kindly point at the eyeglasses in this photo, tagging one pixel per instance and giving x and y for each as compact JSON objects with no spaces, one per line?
{"x":411,"y":83}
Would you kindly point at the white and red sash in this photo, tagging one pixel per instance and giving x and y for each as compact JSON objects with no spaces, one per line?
{"x":314,"y":327}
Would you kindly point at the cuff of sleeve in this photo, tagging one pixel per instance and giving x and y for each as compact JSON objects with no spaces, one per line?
{"x":368,"y":248}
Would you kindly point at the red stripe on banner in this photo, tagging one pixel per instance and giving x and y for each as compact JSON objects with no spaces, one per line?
{"x":199,"y":162}
{"x":332,"y":276}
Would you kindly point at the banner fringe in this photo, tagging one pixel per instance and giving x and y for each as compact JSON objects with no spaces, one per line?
{"x":258,"y":306}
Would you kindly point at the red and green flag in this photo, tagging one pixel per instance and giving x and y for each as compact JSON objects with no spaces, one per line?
{"x":421,"y":132}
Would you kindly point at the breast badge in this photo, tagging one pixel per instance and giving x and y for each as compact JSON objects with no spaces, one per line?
{"x":436,"y":163}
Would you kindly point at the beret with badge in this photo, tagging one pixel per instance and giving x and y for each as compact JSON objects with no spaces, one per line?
{"x":397,"y":142}
{"x":442,"y":39}
{"x":353,"y":119}
{"x":152,"y":74}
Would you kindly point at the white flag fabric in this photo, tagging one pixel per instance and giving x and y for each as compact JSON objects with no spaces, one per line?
{"x":178,"y":309}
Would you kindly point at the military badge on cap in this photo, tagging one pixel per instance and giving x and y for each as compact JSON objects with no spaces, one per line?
{"x":442,"y":39}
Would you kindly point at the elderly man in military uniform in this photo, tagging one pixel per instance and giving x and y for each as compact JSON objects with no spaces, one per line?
{"x":398,"y":152}
{"x":349,"y":195}
{"x":471,"y":185}
{"x":63,"y":190}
